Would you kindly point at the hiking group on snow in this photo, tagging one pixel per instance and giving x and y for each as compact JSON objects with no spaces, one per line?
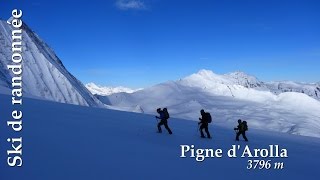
{"x":205,"y":120}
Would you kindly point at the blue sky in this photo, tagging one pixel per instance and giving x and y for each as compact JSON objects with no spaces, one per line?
{"x":138,"y":43}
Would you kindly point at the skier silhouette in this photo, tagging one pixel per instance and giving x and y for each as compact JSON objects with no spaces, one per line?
{"x":204,"y":121}
{"x":164,"y":116}
{"x":241,"y":130}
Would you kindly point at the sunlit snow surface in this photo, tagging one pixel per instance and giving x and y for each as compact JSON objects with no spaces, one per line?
{"x":65,"y":142}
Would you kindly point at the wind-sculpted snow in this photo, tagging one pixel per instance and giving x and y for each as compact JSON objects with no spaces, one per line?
{"x":288,"y":112}
{"x":43,"y":72}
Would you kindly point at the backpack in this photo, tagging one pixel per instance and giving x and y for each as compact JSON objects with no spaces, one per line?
{"x":165,"y":113}
{"x":209,"y":118}
{"x":245,"y":126}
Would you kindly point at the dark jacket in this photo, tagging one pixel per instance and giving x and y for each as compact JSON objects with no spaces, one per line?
{"x":241,"y":127}
{"x":204,"y":118}
{"x":161,"y":115}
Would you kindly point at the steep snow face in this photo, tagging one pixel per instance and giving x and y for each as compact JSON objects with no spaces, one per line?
{"x":43,"y":72}
{"x":310,"y":89}
{"x":289,"y":112}
{"x":104,"y":91}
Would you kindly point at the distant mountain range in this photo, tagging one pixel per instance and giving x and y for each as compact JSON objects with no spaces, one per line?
{"x":105,"y":91}
{"x":269,"y":106}
{"x":208,"y":79}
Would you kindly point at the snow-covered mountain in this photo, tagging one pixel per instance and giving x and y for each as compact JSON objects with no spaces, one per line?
{"x":105,"y":91}
{"x":44,"y":75}
{"x":228,"y":97}
{"x":310,"y":89}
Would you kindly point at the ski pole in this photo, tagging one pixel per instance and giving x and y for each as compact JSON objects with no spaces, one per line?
{"x":198,"y":128}
{"x":157,"y":121}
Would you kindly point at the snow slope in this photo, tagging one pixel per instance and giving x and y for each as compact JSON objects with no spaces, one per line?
{"x":228,"y":97}
{"x":105,"y":91}
{"x":44,"y":75}
{"x":94,"y":143}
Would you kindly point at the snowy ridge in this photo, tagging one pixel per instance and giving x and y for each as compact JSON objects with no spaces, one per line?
{"x":228,"y":98}
{"x":237,"y":84}
{"x":43,"y":72}
{"x":105,"y":91}
{"x":244,"y":79}
{"x":310,"y":89}
{"x":206,"y":77}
